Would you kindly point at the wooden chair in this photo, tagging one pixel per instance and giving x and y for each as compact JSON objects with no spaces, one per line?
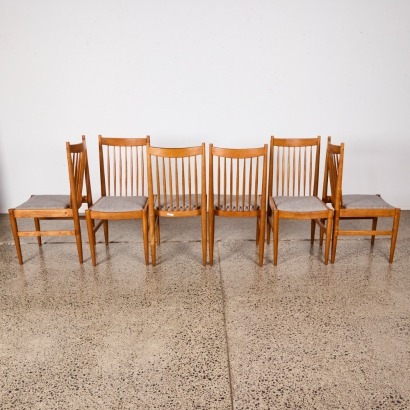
{"x":123,"y":188}
{"x":355,"y":206}
{"x":293,"y":189}
{"x":237,"y":188}
{"x":176,"y":188}
{"x":57,"y":207}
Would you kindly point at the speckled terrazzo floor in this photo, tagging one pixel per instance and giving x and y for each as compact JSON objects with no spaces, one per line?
{"x":182,"y":336}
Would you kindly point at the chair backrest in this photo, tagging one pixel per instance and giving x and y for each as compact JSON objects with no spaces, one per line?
{"x":237,"y":177}
{"x":177,"y":176}
{"x":123,"y":166}
{"x":78,"y":172}
{"x":294,"y":166}
{"x":332,"y":179}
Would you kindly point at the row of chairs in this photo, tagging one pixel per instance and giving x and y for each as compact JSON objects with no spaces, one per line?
{"x":139,"y":181}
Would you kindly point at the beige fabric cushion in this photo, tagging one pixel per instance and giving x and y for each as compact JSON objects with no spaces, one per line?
{"x":299,"y":203}
{"x":120,"y":203}
{"x":364,"y":202}
{"x":46,"y":202}
{"x":181,"y":205}
{"x":240,"y":205}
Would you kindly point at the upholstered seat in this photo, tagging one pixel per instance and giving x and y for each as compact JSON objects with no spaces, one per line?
{"x":179,"y":203}
{"x":299,"y":203}
{"x":238,"y":203}
{"x":120,"y":204}
{"x":46,"y":202}
{"x":364,"y":202}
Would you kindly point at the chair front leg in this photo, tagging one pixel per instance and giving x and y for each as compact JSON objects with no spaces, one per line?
{"x":145,"y":236}
{"x":211,"y":225}
{"x":14,"y":228}
{"x":91,"y":236}
{"x":106,"y":237}
{"x":396,"y":221}
{"x":374,"y":227}
{"x":312,"y":231}
{"x":152,"y":229}
{"x":275,"y":237}
{"x":204,"y":228}
{"x":335,"y":234}
{"x":262,"y":220}
{"x":37,"y":225}
{"x":328,"y":236}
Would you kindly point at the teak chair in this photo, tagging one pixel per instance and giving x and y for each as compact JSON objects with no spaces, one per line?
{"x":237,"y":188}
{"x":176,"y":188}
{"x":57,"y":207}
{"x":293,"y":189}
{"x":123,"y":188}
{"x":354,"y":206}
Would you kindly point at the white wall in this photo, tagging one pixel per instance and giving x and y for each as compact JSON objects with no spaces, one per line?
{"x":223,"y":71}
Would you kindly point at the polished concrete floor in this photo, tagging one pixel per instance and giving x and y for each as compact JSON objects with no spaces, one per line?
{"x":301,"y":335}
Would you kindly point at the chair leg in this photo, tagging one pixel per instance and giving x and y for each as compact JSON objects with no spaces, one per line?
{"x":106,"y":237}
{"x":77,"y":232}
{"x":374,"y":226}
{"x":157,"y":232}
{"x":335,"y":235}
{"x":145,"y":236}
{"x":262,"y":220}
{"x":275,"y":237}
{"x":204,"y":228}
{"x":396,"y":221}
{"x":14,"y":229}
{"x":257,"y":230}
{"x":312,"y":231}
{"x":268,"y":224}
{"x":91,"y":236}
{"x":328,"y":237}
{"x":152,"y":232}
{"x":321,"y":232}
{"x":211,"y":225}
{"x":37,"y":225}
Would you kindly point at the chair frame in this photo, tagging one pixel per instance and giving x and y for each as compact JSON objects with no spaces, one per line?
{"x":78,"y":172}
{"x":321,"y":218}
{"x":104,"y":217}
{"x":332,"y":182}
{"x":172,"y":185}
{"x":260,"y":214}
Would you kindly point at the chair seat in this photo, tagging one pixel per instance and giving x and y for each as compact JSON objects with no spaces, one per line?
{"x":46,"y":202}
{"x":179,"y":205}
{"x":120,"y":204}
{"x":242,"y":204}
{"x":364,"y":202}
{"x":299,"y":204}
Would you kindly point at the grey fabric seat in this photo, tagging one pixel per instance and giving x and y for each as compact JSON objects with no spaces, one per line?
{"x":46,"y":202}
{"x":178,"y":203}
{"x":364,"y":202}
{"x":120,"y":204}
{"x":299,"y":203}
{"x":242,"y":204}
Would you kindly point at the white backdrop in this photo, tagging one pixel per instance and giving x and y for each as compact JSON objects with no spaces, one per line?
{"x":230,"y":72}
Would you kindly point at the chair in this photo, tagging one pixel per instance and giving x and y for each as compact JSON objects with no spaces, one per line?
{"x":355,"y":206}
{"x":237,"y":188}
{"x":123,"y":188}
{"x":293,"y":189}
{"x":176,"y":188}
{"x":57,"y":207}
